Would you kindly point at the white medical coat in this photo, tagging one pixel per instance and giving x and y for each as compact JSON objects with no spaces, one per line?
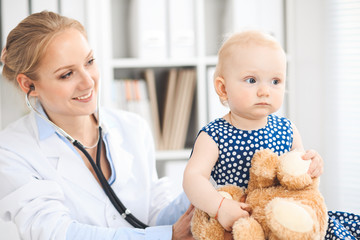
{"x":45,"y":185}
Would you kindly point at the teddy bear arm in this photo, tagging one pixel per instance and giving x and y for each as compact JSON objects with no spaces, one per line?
{"x":204,"y":227}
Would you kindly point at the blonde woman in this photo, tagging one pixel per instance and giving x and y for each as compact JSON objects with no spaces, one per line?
{"x":48,"y":186}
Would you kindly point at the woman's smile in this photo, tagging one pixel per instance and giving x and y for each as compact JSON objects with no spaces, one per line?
{"x":85,"y":98}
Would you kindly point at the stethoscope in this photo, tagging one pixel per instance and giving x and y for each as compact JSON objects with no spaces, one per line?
{"x":119,"y":206}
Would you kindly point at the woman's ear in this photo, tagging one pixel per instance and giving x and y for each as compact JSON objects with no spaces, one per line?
{"x":219,"y":84}
{"x":26,"y":84}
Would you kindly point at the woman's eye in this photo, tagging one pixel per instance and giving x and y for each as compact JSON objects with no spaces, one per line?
{"x":91,"y":61}
{"x":67,"y":75}
{"x":250,"y":80}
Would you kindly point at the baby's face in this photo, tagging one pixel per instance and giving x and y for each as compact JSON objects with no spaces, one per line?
{"x":255,"y":80}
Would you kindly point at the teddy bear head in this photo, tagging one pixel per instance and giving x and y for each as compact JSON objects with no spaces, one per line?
{"x":288,"y":170}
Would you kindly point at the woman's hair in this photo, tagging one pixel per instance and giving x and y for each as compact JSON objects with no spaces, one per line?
{"x":27,"y":43}
{"x":243,"y":39}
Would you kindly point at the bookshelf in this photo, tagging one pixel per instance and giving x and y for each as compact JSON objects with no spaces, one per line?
{"x":110,"y":27}
{"x":211,"y":20}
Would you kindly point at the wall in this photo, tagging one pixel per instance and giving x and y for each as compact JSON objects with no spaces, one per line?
{"x":311,"y":96}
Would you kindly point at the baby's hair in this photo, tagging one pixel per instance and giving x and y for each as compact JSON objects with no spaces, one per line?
{"x":243,"y":39}
{"x":27,"y":42}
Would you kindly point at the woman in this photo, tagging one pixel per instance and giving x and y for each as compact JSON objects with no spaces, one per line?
{"x":48,"y":187}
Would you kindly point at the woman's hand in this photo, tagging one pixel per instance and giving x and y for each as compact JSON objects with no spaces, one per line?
{"x":317,"y":164}
{"x":181,"y":229}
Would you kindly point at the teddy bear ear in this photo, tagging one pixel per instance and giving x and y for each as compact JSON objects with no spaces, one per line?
{"x":292,"y":171}
{"x":263,"y":169}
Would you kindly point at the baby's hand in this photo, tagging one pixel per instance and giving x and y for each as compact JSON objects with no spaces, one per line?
{"x":230,"y":211}
{"x":317,"y":165}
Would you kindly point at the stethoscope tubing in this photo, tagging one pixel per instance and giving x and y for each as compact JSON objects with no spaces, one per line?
{"x":125,"y":213}
{"x":119,"y":206}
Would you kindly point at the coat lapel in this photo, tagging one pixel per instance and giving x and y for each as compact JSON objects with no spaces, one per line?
{"x":70,"y":166}
{"x":122,"y":160}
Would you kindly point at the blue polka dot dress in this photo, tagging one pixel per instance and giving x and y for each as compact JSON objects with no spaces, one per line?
{"x":236,"y":147}
{"x":343,"y":225}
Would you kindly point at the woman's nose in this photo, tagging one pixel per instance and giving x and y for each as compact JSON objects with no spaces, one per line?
{"x":86,"y":80}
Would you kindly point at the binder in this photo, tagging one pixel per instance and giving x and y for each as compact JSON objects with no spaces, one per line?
{"x":40,"y":5}
{"x":181,"y":28}
{"x":148,"y":29}
{"x":9,"y":20}
{"x":74,"y":9}
{"x":263,"y":15}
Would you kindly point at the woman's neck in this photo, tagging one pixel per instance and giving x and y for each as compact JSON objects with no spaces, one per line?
{"x":82,"y":128}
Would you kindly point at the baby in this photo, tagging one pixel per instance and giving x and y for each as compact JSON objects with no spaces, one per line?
{"x":250,"y":79}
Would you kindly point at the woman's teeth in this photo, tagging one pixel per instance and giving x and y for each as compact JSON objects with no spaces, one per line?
{"x":84,"y":97}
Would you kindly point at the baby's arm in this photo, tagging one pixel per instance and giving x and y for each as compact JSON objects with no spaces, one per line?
{"x":201,"y":192}
{"x":317,"y":164}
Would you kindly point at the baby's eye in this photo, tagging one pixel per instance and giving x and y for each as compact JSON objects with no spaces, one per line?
{"x":275,"y":81}
{"x":250,"y":80}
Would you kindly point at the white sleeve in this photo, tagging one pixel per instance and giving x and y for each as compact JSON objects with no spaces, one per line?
{"x":34,"y":205}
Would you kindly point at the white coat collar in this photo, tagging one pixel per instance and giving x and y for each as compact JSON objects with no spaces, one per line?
{"x":63,"y":156}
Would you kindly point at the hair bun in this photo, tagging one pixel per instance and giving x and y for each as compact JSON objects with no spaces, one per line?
{"x":3,"y":55}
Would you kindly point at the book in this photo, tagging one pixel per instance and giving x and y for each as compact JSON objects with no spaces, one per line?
{"x":168,"y":108}
{"x":140,"y":96}
{"x":183,"y":103}
{"x":132,"y":95}
{"x":181,"y":28}
{"x":185,"y":108}
{"x":151,"y":83}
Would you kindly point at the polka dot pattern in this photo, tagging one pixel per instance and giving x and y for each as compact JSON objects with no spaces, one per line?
{"x":343,"y":225}
{"x":236,"y":147}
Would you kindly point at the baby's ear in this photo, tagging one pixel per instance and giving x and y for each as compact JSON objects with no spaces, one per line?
{"x":219,"y":84}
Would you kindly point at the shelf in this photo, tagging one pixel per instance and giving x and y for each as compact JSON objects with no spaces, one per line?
{"x":148,"y":63}
{"x":211,"y":22}
{"x":170,"y":155}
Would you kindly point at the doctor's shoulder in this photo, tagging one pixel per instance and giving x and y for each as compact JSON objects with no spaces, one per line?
{"x":19,"y":133}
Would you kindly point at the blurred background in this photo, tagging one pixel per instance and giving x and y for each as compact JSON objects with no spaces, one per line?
{"x":148,"y":50}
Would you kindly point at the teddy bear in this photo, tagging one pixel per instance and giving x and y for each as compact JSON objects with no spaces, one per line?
{"x":285,"y":201}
